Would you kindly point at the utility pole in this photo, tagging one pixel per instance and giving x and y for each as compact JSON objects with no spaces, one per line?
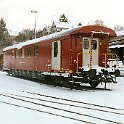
{"x":35,"y":12}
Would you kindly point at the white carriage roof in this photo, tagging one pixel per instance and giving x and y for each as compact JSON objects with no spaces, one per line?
{"x":47,"y":37}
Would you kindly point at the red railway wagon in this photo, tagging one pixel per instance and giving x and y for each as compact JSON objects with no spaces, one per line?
{"x":66,"y":58}
{"x":1,"y":61}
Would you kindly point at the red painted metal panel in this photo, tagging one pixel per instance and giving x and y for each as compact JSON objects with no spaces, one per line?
{"x":102,"y":52}
{"x":71,"y":46}
{"x":65,"y":54}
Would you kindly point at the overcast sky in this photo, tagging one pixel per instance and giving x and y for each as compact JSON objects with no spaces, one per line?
{"x":17,"y":13}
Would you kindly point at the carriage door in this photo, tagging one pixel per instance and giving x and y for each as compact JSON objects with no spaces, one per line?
{"x":56,"y":48}
{"x":86,"y":51}
{"x":95,"y":50}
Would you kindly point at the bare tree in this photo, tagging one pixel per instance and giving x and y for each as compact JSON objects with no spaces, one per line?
{"x":24,"y":35}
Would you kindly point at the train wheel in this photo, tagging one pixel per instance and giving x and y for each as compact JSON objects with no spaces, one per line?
{"x":94,"y":83}
{"x":13,"y":72}
{"x":117,"y":73}
{"x":73,"y":85}
{"x":28,"y":73}
{"x":61,"y":83}
{"x":16,"y":73}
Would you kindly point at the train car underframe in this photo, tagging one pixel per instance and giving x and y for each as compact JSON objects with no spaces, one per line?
{"x":69,"y":80}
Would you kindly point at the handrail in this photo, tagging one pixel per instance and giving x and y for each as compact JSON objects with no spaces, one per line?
{"x":82,"y":61}
{"x":106,"y":56}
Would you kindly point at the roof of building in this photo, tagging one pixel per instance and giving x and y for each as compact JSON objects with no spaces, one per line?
{"x":63,"y":25}
{"x":120,"y":37}
{"x":116,"y":46}
{"x":119,"y":33}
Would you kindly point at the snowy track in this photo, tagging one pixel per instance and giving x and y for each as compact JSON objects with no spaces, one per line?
{"x":72,"y":101}
{"x":69,"y":105}
{"x":39,"y":103}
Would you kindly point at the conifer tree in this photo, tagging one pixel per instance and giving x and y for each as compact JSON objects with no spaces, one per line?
{"x":4,"y":35}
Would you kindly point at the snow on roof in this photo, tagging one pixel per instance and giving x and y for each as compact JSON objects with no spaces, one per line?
{"x":62,"y":25}
{"x":47,"y":37}
{"x":116,"y":46}
{"x":119,"y":33}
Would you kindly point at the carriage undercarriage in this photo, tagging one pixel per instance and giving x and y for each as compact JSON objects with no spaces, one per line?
{"x":69,"y":80}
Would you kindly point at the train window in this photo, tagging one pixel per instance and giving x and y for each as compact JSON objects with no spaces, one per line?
{"x":29,"y":51}
{"x":36,"y":50}
{"x":55,"y":49}
{"x":94,"y":44}
{"x":13,"y":54}
{"x":1,"y":57}
{"x":22,"y":53}
{"x":86,"y":44}
{"x":16,"y":53}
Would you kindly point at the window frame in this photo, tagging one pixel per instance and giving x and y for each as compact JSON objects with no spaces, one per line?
{"x":29,"y":52}
{"x":22,"y":52}
{"x":13,"y":54}
{"x":94,"y":44}
{"x":86,"y":44}
{"x":55,"y":45}
{"x":16,"y":53}
{"x":36,"y":50}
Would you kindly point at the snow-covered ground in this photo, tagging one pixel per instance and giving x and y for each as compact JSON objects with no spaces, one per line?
{"x":28,"y":102}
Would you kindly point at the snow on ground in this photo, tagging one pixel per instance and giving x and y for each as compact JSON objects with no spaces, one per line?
{"x":17,"y":105}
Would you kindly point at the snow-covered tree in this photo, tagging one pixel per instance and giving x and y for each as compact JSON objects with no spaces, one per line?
{"x":63,"y":18}
{"x":79,"y":24}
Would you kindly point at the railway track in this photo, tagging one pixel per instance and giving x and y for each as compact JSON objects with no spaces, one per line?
{"x":73,"y":101}
{"x":72,"y":105}
{"x":62,"y":102}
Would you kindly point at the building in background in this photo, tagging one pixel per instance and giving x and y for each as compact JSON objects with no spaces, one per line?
{"x":116,"y":45}
{"x":57,"y":26}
